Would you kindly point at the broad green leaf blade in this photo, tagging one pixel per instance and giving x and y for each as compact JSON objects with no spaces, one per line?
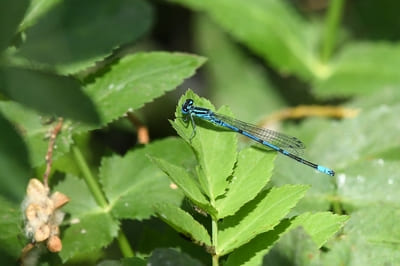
{"x":14,"y":162}
{"x":375,"y":69}
{"x":93,"y":232}
{"x":365,"y":184}
{"x":360,"y":158}
{"x":184,"y":181}
{"x":232,"y":77}
{"x":258,"y":216}
{"x":252,"y":172}
{"x":48,"y":93}
{"x":90,"y":227}
{"x":388,"y":96}
{"x":365,"y":158}
{"x":138,"y":79}
{"x":319,"y":227}
{"x":168,"y":256}
{"x":296,"y":246}
{"x":133,"y":184}
{"x":71,"y":36}
{"x":35,"y":132}
{"x":272,"y":29}
{"x":253,"y":252}
{"x":184,"y":223}
{"x":12,"y":239}
{"x":371,"y":237}
{"x":215,"y":147}
{"x":11,"y":14}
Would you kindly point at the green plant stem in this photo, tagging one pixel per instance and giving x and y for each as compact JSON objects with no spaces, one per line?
{"x":215,"y":257}
{"x":97,"y":193}
{"x":124,"y":245}
{"x":331,"y":27}
{"x":89,"y":179}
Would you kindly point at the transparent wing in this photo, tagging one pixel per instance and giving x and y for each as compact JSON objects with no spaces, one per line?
{"x":289,"y":143}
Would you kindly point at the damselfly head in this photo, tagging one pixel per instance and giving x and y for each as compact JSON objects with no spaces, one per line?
{"x":187,"y":106}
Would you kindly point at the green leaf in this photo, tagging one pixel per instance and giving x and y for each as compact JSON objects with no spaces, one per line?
{"x":135,"y":83}
{"x":232,"y":76}
{"x":118,"y":263}
{"x":361,"y":161}
{"x":368,"y":150}
{"x":258,"y":216}
{"x":295,"y":246}
{"x":184,"y":181}
{"x":72,"y":38}
{"x":184,"y":223}
{"x":11,"y":14}
{"x":14,"y":162}
{"x":11,"y":238}
{"x":93,"y":232}
{"x":133,"y":184}
{"x":36,"y":10}
{"x":139,"y":78}
{"x":252,"y":172}
{"x":371,"y":237}
{"x":91,"y":227}
{"x":374,"y":69}
{"x":253,"y":252}
{"x":35,"y":132}
{"x":164,"y":256}
{"x":319,"y":227}
{"x":215,"y":147}
{"x":48,"y":93}
{"x":272,"y":29}
{"x":363,"y":184}
{"x":133,"y":262}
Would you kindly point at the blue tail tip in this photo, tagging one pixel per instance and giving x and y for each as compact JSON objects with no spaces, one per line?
{"x":325,"y":170}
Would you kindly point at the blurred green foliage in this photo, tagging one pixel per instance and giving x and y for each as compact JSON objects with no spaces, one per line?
{"x":93,"y":62}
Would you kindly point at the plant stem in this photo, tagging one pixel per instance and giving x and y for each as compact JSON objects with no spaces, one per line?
{"x":215,"y":257}
{"x":331,"y":26}
{"x":124,"y":245}
{"x":88,"y":177}
{"x":97,"y":193}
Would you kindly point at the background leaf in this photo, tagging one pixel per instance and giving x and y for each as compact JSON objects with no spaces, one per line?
{"x":139,"y":78}
{"x":233,"y":78}
{"x":375,"y":231}
{"x":48,"y":93}
{"x":37,"y":8}
{"x":272,"y":29}
{"x":171,"y":257}
{"x":350,"y":77}
{"x":11,"y":233}
{"x":34,"y":130}
{"x":71,"y":37}
{"x":91,"y":227}
{"x":14,"y":162}
{"x":134,"y":185}
{"x":11,"y":14}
